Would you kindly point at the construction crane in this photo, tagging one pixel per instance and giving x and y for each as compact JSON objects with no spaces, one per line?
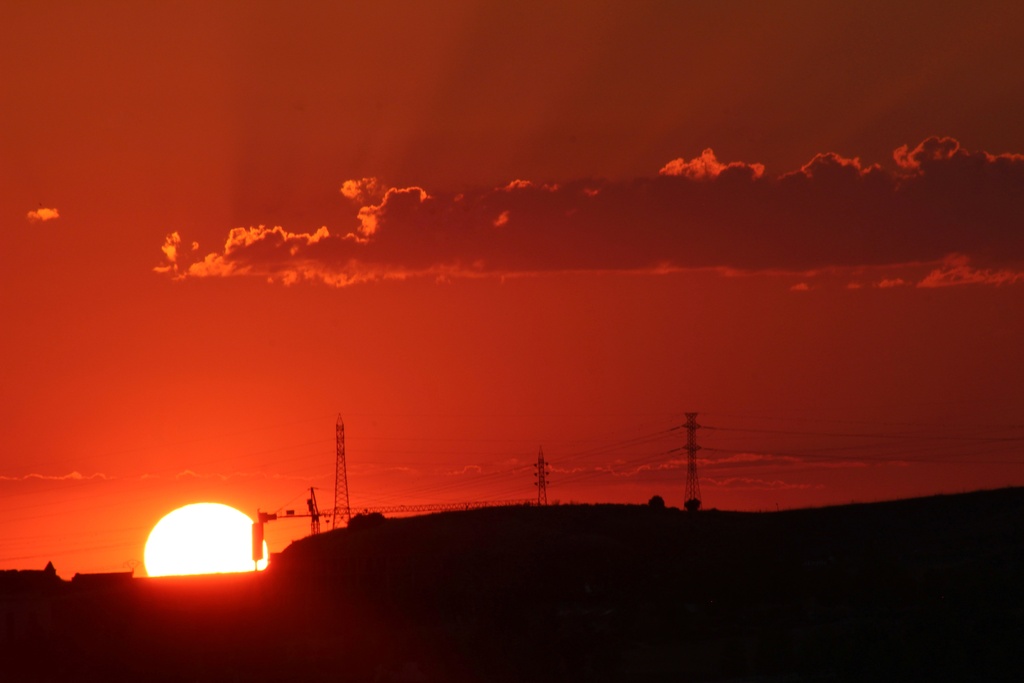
{"x":342,"y":508}
{"x":313,"y":513}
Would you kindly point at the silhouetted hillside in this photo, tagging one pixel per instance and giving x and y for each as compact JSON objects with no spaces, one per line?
{"x":925,"y":589}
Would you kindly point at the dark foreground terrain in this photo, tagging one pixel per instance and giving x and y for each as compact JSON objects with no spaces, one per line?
{"x":918,"y":590}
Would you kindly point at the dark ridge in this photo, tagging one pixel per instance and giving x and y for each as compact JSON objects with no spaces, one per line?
{"x":922,"y":589}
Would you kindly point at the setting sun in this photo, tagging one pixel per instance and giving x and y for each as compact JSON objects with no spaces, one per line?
{"x":201,"y":538}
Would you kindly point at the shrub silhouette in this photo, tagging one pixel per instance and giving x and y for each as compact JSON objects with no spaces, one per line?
{"x":366,"y":521}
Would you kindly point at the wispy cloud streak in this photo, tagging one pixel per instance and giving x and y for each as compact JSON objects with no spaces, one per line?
{"x":70,"y":476}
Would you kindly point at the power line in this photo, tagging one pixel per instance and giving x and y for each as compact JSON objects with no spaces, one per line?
{"x":874,"y":435}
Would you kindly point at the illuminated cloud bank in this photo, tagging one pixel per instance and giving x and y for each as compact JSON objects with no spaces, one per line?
{"x":949,"y":214}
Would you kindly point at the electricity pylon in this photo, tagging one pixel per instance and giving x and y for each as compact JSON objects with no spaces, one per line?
{"x":692,"y":485}
{"x":542,"y":479}
{"x":341,"y":505}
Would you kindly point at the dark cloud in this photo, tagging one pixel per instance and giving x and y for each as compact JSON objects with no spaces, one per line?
{"x":938,"y":202}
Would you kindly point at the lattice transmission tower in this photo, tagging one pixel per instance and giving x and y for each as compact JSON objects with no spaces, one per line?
{"x":341,"y":505}
{"x":542,"y":478}
{"x":692,"y":484}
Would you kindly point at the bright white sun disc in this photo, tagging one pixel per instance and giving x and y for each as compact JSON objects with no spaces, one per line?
{"x":202,"y":538}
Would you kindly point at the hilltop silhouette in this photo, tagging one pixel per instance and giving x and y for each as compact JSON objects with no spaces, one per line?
{"x":924,"y":589}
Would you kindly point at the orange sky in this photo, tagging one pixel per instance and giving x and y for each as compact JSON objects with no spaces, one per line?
{"x":484,"y":228}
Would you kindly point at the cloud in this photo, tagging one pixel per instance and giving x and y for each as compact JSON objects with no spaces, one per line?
{"x":76,"y":476}
{"x":190,"y":474}
{"x":945,"y":156}
{"x":957,"y":270}
{"x":255,"y":251}
{"x":70,"y":476}
{"x":931,"y":150}
{"x":750,"y":483}
{"x":170,"y":250}
{"x":834,"y":216}
{"x":220,"y":476}
{"x":835,"y":168}
{"x":468,"y":469}
{"x":362,"y":189}
{"x":395,"y":200}
{"x":41,"y":215}
{"x":528,"y":185}
{"x":746,"y":458}
{"x":625,"y":469}
{"x":758,"y":461}
{"x":708,"y":167}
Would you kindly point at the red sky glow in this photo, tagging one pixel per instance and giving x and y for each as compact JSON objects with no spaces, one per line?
{"x":479,"y":229}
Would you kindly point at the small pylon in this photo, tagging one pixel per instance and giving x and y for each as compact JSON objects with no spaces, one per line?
{"x":692,"y":484}
{"x":542,"y":478}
